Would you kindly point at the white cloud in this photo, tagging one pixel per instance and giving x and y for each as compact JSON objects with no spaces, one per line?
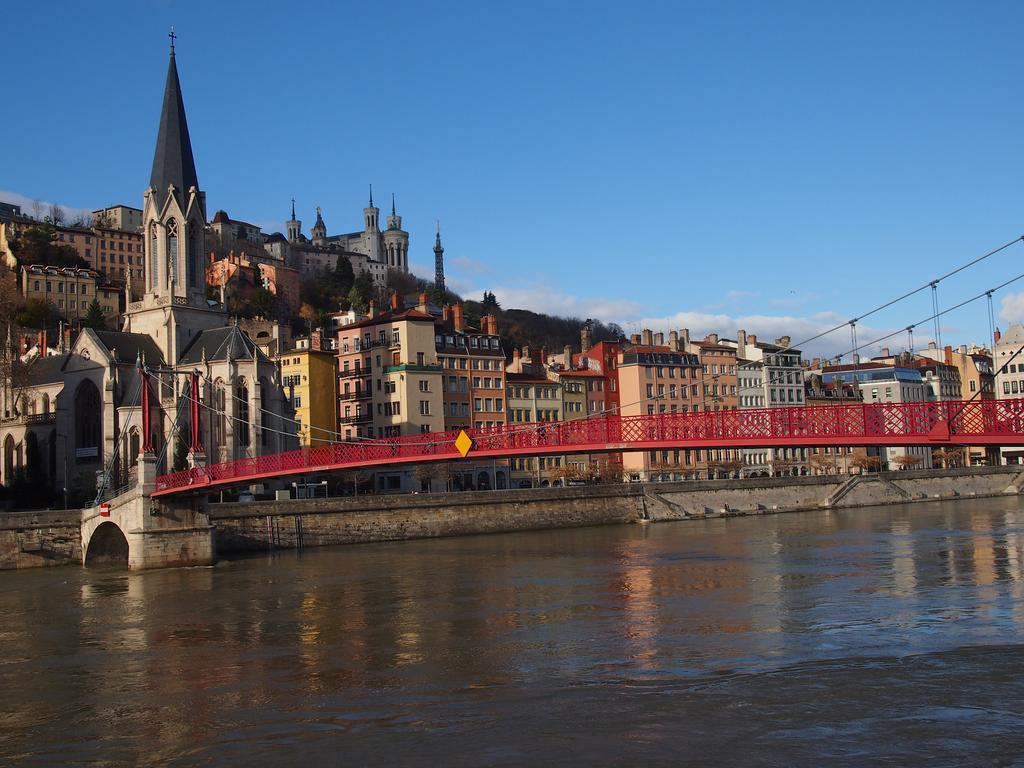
{"x":466,"y":264}
{"x":40,"y":208}
{"x":558,"y":303}
{"x":1012,"y":310}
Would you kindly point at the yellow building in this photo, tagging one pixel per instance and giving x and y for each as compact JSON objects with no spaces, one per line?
{"x":310,"y":378}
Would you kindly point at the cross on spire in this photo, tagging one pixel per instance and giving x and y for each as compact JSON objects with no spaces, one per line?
{"x":173,"y":38}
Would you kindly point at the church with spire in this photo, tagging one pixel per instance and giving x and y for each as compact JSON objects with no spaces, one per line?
{"x":91,"y":387}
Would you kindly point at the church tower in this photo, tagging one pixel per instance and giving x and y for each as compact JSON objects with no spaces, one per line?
{"x":396,"y":242}
{"x":294,"y":226}
{"x":371,"y":230}
{"x":173,"y":307}
{"x":438,"y":263}
{"x":319,"y":231}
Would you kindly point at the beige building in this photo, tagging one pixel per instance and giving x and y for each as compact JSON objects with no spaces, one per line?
{"x":1009,"y":379}
{"x":69,"y":291}
{"x":532,"y":399}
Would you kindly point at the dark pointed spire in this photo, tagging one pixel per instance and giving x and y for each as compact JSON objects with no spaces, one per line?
{"x":393,"y":204}
{"x":173,"y":162}
{"x":293,"y":209}
{"x":371,"y":195}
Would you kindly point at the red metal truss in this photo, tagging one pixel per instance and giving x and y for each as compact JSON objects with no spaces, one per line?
{"x":988,"y":422}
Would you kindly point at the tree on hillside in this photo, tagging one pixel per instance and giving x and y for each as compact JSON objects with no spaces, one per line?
{"x":94,"y":317}
{"x":38,"y":245}
{"x":263,"y":303}
{"x":362,"y":291}
{"x":489,"y":304}
{"x":36,"y":314}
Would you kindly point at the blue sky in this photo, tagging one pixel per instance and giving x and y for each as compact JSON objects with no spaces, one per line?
{"x":773,"y":166}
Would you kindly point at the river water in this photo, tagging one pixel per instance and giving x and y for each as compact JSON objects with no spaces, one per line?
{"x":868,"y":636}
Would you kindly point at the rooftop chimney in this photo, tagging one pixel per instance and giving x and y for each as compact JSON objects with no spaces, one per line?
{"x":783,"y":341}
{"x":372,"y":311}
{"x":948,"y":350}
{"x":446,"y":313}
{"x":635,"y":338}
{"x":394,"y":301}
{"x":712,"y":338}
{"x":567,"y":357}
{"x":741,"y":340}
{"x":684,"y":339}
{"x":422,"y":307}
{"x":585,"y":339}
{"x":458,"y":320}
{"x":648,"y":337}
{"x":659,"y":339}
{"x":884,"y":351}
{"x":752,"y":339}
{"x":997,"y":336}
{"x":673,"y":341}
{"x":543,"y":356}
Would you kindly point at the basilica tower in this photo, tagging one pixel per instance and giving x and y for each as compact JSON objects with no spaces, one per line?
{"x":396,"y":242}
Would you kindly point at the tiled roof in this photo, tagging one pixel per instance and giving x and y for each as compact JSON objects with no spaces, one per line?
{"x":231,"y":343}
{"x":128,"y":346}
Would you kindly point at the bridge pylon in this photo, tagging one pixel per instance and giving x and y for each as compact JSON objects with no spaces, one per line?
{"x":141,"y":532}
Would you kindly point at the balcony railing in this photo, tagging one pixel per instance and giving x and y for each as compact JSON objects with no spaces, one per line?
{"x":359,"y":418}
{"x":359,"y":394}
{"x":354,"y":372}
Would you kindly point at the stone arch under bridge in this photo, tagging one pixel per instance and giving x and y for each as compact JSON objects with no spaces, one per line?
{"x":107,"y":546}
{"x":148,"y":533}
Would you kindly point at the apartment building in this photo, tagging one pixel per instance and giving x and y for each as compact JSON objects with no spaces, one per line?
{"x":900,"y":381}
{"x":532,"y":399}
{"x":309,"y":376}
{"x":656,"y":378}
{"x":389,"y":376}
{"x":1009,"y":379}
{"x":69,"y":291}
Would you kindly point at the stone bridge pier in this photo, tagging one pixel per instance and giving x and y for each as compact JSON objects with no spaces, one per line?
{"x":141,"y":532}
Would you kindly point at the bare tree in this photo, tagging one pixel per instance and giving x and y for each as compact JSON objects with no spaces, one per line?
{"x":949,"y":457}
{"x":908,"y":461}
{"x":822,"y":464}
{"x":866,"y":463}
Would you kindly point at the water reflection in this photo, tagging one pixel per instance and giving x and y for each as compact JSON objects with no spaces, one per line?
{"x":484,"y":639}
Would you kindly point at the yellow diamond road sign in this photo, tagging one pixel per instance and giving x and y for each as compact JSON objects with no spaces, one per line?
{"x":464,"y":443}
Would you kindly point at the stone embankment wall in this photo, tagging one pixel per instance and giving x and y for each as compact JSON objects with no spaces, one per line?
{"x":255,"y":526}
{"x":251,"y":526}
{"x":32,"y":539}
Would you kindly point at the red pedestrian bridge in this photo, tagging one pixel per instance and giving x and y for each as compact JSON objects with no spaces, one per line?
{"x":937,"y":424}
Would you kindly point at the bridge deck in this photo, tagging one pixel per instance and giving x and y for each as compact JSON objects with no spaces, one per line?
{"x":980,"y":422}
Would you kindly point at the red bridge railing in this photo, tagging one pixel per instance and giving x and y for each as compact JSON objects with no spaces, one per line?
{"x":989,"y":422}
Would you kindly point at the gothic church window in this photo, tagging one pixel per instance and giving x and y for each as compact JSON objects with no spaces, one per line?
{"x":153,"y":264}
{"x":88,"y":429}
{"x":172,"y":250}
